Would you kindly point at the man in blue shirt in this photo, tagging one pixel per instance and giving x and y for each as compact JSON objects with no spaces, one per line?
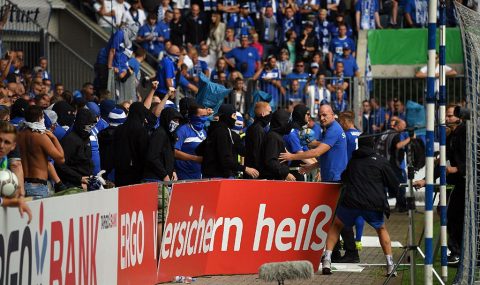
{"x":338,"y":43}
{"x":332,"y":150}
{"x":189,"y":136}
{"x":150,"y":36}
{"x":416,"y":12}
{"x":299,"y":74}
{"x":350,"y":66}
{"x":246,"y":58}
{"x":270,"y":80}
{"x":243,"y":23}
{"x":377,"y":116}
{"x":166,"y":71}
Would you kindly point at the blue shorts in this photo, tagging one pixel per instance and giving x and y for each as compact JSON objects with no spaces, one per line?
{"x":348,"y":217}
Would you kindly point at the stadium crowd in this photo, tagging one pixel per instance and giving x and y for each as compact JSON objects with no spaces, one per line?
{"x":300,"y":53}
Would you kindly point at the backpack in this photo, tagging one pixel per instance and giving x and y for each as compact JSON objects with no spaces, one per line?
{"x":417,"y":147}
{"x":383,"y":144}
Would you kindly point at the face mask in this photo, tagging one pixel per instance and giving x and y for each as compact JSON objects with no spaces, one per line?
{"x":264,"y":121}
{"x":173,"y":57}
{"x":36,"y":126}
{"x":173,"y":126}
{"x":198,"y":122}
{"x":88,"y":128}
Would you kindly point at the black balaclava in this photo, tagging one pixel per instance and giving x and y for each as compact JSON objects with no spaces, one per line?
{"x":225,"y":113}
{"x":281,"y":122}
{"x":65,"y":112}
{"x":84,"y":122}
{"x":298,"y":116}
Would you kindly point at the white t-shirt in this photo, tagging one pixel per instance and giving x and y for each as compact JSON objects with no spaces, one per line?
{"x":121,"y":9}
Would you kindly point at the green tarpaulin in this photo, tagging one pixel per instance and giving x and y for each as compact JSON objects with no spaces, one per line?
{"x":409,"y":46}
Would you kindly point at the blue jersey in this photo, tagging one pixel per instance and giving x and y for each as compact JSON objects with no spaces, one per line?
{"x":333,"y":29}
{"x":292,"y":142}
{"x":188,"y":140}
{"x":122,"y":52}
{"x":339,"y":107}
{"x":245,"y":60}
{"x":134,"y":64}
{"x":337,"y":45}
{"x":214,"y":74}
{"x":153,"y":46}
{"x":102,"y":57}
{"x":164,"y":30}
{"x":418,"y":10}
{"x":349,"y":65}
{"x":200,"y":67}
{"x":301,"y":77}
{"x":318,"y":131}
{"x":166,"y":70}
{"x":352,"y":141}
{"x":241,"y":25}
{"x":377,"y":117}
{"x":323,"y":35}
{"x":266,"y":84}
{"x":99,"y":126}
{"x":334,"y":161}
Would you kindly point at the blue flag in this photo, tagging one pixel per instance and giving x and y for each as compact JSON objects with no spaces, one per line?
{"x":211,"y":95}
{"x":260,"y":96}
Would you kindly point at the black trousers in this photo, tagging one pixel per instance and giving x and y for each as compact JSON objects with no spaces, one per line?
{"x":456,"y":217}
{"x":348,"y":241}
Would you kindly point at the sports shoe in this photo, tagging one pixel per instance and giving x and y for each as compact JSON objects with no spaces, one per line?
{"x":390,"y":271}
{"x":358,"y":245}
{"x":326,"y":266}
{"x":453,"y":260}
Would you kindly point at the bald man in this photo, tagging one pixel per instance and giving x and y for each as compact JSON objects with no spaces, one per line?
{"x":167,"y":68}
{"x":331,"y":151}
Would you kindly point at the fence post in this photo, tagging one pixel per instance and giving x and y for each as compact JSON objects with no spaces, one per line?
{"x":358,"y":97}
{"x":44,"y":44}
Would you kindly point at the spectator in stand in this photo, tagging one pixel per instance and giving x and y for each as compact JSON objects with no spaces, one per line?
{"x":284,"y":64}
{"x":255,"y":136}
{"x":116,"y":117}
{"x":268,"y":28}
{"x":216,"y":35}
{"x":135,"y":62}
{"x":88,"y":92}
{"x":130,"y":147}
{"x":59,"y":89}
{"x":257,"y":45}
{"x":230,"y":42}
{"x":243,"y":23}
{"x":229,"y":9}
{"x":196,"y":29}
{"x":308,"y":43}
{"x":150,"y":36}
{"x":36,"y":144}
{"x":106,"y":15}
{"x":160,"y":160}
{"x":398,"y":110}
{"x":207,"y":56}
{"x":416,"y":13}
{"x":318,"y":59}
{"x":299,"y":74}
{"x":366,"y":15}
{"x":322,"y":32}
{"x":165,"y":26}
{"x":295,"y":94}
{"x":78,"y":155}
{"x":337,"y":45}
{"x":162,"y":9}
{"x":8,"y":134}
{"x":119,"y":49}
{"x":350,"y":67}
{"x":189,"y":136}
{"x":246,"y":58}
{"x":273,"y":168}
{"x":288,"y":24}
{"x":339,"y":104}
{"x":166,"y":71}
{"x":317,"y":94}
{"x":366,"y":117}
{"x":238,"y":94}
{"x":135,"y":17}
{"x":377,"y":117}
{"x":449,"y":72}
{"x":99,"y":126}
{"x":217,"y":149}
{"x":43,"y":63}
{"x":199,"y":66}
{"x":338,"y":81}
{"x":177,"y":28}
{"x":221,"y":66}
{"x":335,"y":24}
{"x":271,"y":80}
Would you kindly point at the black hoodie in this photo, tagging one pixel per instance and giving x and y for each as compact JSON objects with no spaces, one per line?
{"x":365,"y":179}
{"x":160,"y":156}
{"x":217,"y":151}
{"x":274,"y":145}
{"x":77,"y":150}
{"x":254,"y":142}
{"x":130,"y":147}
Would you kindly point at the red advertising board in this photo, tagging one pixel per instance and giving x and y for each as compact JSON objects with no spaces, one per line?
{"x":137,"y":231}
{"x":235,"y":226}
